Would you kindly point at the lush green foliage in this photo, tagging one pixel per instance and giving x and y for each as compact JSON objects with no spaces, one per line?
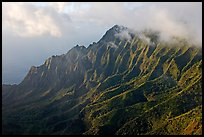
{"x":115,"y":86}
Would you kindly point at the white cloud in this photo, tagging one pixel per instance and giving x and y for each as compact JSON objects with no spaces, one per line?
{"x":171,"y":19}
{"x":124,"y":35}
{"x":32,"y":32}
{"x":28,"y":20}
{"x":58,"y":6}
{"x":57,"y":19}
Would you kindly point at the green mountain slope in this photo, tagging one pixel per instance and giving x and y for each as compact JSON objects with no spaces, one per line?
{"x":115,"y":86}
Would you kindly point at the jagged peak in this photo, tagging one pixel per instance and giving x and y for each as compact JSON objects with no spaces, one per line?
{"x":119,"y":28}
{"x":113,"y":32}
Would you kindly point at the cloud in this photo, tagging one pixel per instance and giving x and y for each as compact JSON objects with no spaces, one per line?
{"x":145,"y":38}
{"x":28,"y":20}
{"x":32,"y":32}
{"x":57,"y":19}
{"x":58,"y":6}
{"x":124,"y":35}
{"x":171,"y":19}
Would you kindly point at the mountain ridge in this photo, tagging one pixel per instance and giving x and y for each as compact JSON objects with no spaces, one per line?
{"x":86,"y":90}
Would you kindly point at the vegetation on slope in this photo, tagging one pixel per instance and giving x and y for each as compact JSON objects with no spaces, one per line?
{"x":115,"y":86}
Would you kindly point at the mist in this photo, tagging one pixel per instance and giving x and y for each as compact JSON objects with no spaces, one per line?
{"x":182,"y":20}
{"x":32,"y":32}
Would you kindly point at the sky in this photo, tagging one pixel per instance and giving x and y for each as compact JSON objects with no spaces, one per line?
{"x":32,"y":32}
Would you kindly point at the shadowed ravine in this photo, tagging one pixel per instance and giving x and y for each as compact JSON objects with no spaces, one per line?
{"x":115,"y":86}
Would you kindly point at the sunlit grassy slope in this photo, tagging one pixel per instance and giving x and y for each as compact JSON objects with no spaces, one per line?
{"x":115,"y":86}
